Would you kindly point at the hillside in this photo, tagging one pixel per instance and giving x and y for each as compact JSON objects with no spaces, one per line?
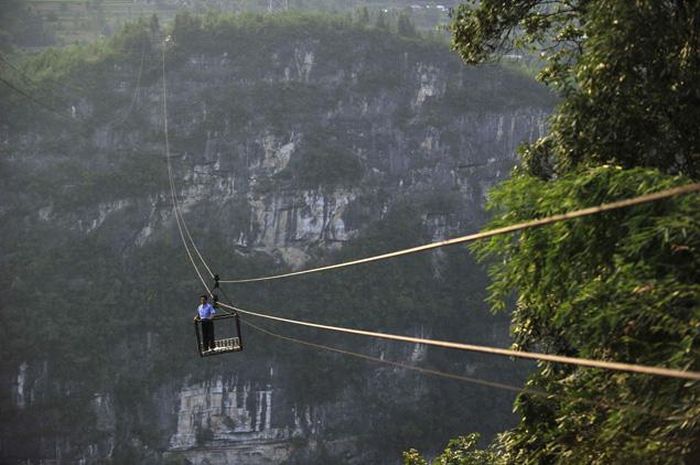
{"x":296,"y":140}
{"x":42,"y":23}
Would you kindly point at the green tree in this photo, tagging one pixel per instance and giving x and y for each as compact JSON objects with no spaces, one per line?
{"x":619,"y":286}
{"x":459,"y":451}
{"x":628,"y":73}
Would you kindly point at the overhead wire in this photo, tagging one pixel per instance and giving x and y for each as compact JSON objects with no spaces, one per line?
{"x":447,"y":375}
{"x":33,"y":99}
{"x":642,"y":199}
{"x":182,"y":224}
{"x":137,"y":87}
{"x":429,"y":371}
{"x":177,"y":211}
{"x":38,"y":101}
{"x":577,"y":361}
{"x":171,"y":179}
{"x":138,"y":78}
{"x":31,"y":82}
{"x":194,"y":246}
{"x":29,"y":78}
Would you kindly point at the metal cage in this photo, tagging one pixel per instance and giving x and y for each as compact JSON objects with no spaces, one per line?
{"x":231,"y":343}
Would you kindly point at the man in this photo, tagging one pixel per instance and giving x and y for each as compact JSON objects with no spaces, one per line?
{"x":205,"y":313}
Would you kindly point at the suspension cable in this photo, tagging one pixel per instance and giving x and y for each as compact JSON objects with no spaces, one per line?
{"x":8,"y":63}
{"x":181,"y":223}
{"x":34,"y":100}
{"x":137,"y":89}
{"x":179,"y":218}
{"x":590,"y":363}
{"x":171,"y":180}
{"x":429,"y":371}
{"x":652,"y":197}
{"x":194,"y":245}
{"x":447,"y":375}
{"x":584,"y":362}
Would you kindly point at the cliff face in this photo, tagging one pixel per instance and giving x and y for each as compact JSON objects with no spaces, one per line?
{"x":291,"y":146}
{"x":247,"y":424}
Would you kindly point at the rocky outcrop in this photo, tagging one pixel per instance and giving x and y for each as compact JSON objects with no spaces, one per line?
{"x":300,"y":145}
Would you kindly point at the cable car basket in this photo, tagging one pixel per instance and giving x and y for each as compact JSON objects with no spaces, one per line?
{"x":229,"y":329}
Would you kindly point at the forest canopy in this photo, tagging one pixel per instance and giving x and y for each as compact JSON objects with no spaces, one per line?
{"x":617,"y":286}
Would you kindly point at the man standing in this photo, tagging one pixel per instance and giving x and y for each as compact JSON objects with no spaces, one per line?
{"x":205,"y":313}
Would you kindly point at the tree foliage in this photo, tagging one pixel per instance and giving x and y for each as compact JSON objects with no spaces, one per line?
{"x":459,"y":451}
{"x":617,"y":286}
{"x":139,"y":326}
{"x":628,"y":73}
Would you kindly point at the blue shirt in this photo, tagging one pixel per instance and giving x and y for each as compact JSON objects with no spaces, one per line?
{"x":206,"y":311}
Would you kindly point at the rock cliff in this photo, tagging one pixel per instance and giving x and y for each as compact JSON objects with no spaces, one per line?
{"x":295,"y":140}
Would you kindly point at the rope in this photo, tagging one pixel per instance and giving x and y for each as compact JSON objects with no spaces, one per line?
{"x":172,"y":182}
{"x":617,"y":366}
{"x":33,"y":81}
{"x":137,"y":88}
{"x":490,"y":233}
{"x":429,"y":371}
{"x":35,"y":100}
{"x":182,"y":224}
{"x":443,"y":374}
{"x":584,"y":362}
{"x":194,"y":246}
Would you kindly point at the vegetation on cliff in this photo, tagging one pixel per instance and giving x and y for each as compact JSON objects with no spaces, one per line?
{"x":110,"y":316}
{"x":618,"y":286}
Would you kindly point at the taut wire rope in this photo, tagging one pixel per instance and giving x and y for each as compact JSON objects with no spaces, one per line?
{"x":429,"y":371}
{"x":194,"y":245}
{"x":652,"y":197}
{"x":179,"y":218}
{"x":584,"y":362}
{"x":443,"y":374}
{"x":171,"y":180}
{"x":34,"y":100}
{"x":590,"y":363}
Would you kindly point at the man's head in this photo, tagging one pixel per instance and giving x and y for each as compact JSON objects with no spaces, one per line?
{"x":203,"y":299}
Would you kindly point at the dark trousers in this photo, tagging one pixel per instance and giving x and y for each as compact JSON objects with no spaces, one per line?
{"x":208,"y":334}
